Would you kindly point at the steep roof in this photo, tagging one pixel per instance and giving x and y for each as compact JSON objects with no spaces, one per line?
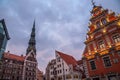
{"x":13,"y":56}
{"x":5,"y":29}
{"x":67,"y":58}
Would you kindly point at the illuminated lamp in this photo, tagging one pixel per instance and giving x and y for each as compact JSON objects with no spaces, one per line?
{"x":109,"y":45}
{"x":95,"y":26}
{"x":107,"y":19}
{"x":104,"y":30}
{"x":91,"y":36}
{"x":101,"y":23}
{"x":95,"y":50}
{"x":89,"y":53}
{"x":119,"y":23}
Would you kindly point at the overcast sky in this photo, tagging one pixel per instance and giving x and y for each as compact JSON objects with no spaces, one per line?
{"x":60,"y":25}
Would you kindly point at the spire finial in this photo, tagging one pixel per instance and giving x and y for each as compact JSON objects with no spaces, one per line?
{"x":93,"y":3}
{"x":34,"y":23}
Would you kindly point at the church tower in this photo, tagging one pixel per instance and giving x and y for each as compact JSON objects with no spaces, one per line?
{"x":32,"y":41}
{"x":30,"y":63}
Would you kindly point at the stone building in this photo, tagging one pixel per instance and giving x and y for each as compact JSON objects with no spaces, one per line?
{"x":101,"y":57}
{"x":63,"y":67}
{"x":15,"y":67}
{"x":11,"y":67}
{"x":47,"y":73}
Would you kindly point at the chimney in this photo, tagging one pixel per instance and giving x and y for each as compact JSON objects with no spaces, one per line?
{"x":21,"y":55}
{"x":8,"y":52}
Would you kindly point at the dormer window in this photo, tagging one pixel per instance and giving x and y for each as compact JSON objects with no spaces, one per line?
{"x":104,"y":21}
{"x":98,"y":24}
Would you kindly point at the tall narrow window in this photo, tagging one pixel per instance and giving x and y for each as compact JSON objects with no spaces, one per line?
{"x":104,"y":21}
{"x":92,"y":64}
{"x":116,"y":38}
{"x":98,"y":24}
{"x":101,"y":44}
{"x":58,"y":59}
{"x":107,"y":61}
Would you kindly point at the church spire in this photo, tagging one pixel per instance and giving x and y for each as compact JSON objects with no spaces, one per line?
{"x":32,"y":41}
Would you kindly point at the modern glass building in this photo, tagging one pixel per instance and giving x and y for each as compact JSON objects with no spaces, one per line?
{"x":4,"y":37}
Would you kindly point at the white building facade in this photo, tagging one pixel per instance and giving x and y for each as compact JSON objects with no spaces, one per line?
{"x":64,"y":67}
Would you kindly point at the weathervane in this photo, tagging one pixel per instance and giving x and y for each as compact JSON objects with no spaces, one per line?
{"x":93,"y":3}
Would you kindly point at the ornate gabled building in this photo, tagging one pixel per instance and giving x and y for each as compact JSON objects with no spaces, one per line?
{"x":101,"y":57}
{"x":4,"y":37}
{"x":47,"y":71}
{"x":15,"y":67}
{"x":63,"y":67}
{"x":30,"y":62}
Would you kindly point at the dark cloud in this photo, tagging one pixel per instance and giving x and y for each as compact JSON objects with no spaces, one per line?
{"x":60,"y":25}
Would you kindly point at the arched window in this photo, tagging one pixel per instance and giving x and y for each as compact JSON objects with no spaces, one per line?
{"x":104,"y":21}
{"x":98,"y":24}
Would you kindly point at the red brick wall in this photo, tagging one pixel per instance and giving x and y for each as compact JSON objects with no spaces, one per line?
{"x":101,"y":69}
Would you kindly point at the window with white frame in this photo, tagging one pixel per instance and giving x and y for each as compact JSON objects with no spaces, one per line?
{"x":101,"y":44}
{"x":92,"y":64}
{"x":116,"y":38}
{"x":107,"y":62}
